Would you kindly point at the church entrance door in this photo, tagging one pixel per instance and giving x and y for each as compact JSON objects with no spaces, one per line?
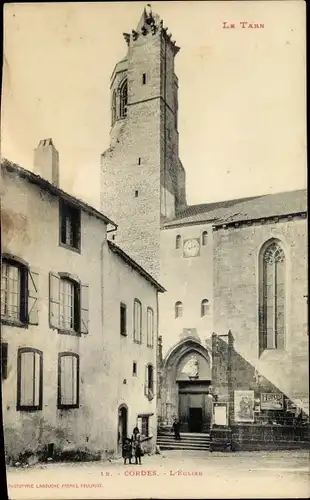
{"x":195,"y":420}
{"x":195,"y":407}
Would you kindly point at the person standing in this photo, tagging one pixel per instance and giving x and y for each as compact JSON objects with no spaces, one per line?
{"x":136,"y":444}
{"x":127,"y":451}
{"x":176,"y":429}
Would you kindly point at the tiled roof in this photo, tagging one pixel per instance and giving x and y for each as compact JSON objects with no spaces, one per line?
{"x":243,"y":209}
{"x":52,"y":189}
{"x":125,"y":257}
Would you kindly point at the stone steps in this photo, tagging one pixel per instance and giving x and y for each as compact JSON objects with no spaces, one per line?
{"x":189,"y":441}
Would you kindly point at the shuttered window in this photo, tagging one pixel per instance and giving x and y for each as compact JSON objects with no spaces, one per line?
{"x":19,"y":292}
{"x":29,"y":379}
{"x":11,"y":292}
{"x":4,"y":360}
{"x":68,"y":380}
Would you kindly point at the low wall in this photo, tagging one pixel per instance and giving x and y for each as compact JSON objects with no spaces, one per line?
{"x":269,"y":437}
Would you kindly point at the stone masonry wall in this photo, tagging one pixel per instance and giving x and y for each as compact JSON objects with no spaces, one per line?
{"x":236,"y":256}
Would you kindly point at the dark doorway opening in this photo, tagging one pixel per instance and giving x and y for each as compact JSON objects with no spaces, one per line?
{"x":195,"y":420}
{"x":122,"y":426}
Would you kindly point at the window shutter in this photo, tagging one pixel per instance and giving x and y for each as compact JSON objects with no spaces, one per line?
{"x":54,"y":300}
{"x":27,"y":393}
{"x":33,"y":288}
{"x":84,"y":308}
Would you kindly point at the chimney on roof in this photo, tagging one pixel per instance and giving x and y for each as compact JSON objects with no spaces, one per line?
{"x":46,"y":161}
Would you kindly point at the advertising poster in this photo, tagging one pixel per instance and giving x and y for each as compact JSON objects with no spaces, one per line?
{"x":244,"y":406}
{"x":220,"y":414}
{"x":271,"y":401}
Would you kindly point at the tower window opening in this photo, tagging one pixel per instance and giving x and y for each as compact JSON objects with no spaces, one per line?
{"x":178,"y":242}
{"x":144,"y":78}
{"x":204,"y":238}
{"x":139,"y":161}
{"x":204,"y":307}
{"x":123,"y":99}
{"x":136,"y":193}
{"x":178,"y":309}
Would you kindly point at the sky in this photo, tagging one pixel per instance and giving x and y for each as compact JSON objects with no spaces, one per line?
{"x":241,"y":91}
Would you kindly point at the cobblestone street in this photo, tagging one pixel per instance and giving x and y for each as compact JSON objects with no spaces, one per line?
{"x":173,"y":474}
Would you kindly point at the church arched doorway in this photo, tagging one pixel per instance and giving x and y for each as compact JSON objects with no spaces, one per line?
{"x":186,"y":391}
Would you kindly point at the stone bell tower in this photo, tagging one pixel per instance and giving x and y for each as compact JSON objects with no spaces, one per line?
{"x":143,"y":180}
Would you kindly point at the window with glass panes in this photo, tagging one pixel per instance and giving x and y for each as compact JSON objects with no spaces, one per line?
{"x":12,"y":291}
{"x":69,"y":305}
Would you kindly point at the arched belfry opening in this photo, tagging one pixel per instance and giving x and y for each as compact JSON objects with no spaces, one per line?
{"x":123,"y":92}
{"x":186,"y":381}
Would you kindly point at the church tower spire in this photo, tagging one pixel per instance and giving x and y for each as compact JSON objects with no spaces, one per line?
{"x":143,"y":180}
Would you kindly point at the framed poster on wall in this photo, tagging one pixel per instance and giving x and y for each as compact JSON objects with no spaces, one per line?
{"x":271,"y":401}
{"x":220,"y":413}
{"x":244,"y":406}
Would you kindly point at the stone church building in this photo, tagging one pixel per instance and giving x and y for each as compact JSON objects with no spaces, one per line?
{"x":237,"y":266}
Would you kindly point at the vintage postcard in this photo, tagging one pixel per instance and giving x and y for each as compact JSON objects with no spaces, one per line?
{"x":154,"y":294}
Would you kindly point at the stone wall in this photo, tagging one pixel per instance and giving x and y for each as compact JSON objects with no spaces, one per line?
{"x":236,"y":292}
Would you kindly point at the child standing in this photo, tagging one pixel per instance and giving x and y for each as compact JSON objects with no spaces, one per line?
{"x":127,"y":451}
{"x":136,"y":442}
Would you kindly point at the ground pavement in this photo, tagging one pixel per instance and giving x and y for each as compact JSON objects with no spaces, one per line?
{"x":173,"y":474}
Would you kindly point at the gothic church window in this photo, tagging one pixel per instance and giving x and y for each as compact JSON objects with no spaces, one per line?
{"x":204,"y":307}
{"x":123,"y":99}
{"x":178,"y":242}
{"x":178,"y":309}
{"x":272,"y":297}
{"x":204,"y":237}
